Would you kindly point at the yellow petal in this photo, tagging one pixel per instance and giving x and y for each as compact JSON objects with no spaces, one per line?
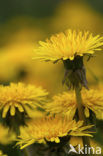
{"x":28,"y":111}
{"x":12,"y":110}
{"x":57,"y":140}
{"x":52,"y":139}
{"x":20,"y":108}
{"x":5,"y":110}
{"x":72,"y":57}
{"x":86,"y":111}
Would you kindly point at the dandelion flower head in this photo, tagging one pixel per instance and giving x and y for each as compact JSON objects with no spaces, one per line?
{"x":67,"y":45}
{"x":62,"y":104}
{"x":20,"y":97}
{"x":51,"y":129}
{"x":66,"y":103}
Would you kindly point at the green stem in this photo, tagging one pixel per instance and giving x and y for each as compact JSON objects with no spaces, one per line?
{"x":79,"y":103}
{"x":81,"y":114}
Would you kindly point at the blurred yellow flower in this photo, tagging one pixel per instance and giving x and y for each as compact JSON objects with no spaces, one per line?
{"x":51,"y":129}
{"x":93,"y":100}
{"x":1,"y":153}
{"x":76,"y":15}
{"x":20,"y":96}
{"x":16,"y":54}
{"x":6,"y":136}
{"x":68,"y":45}
{"x":66,"y":103}
{"x":16,"y":64}
{"x":62,"y":104}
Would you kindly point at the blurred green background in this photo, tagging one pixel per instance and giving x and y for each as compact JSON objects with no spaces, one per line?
{"x":24,"y":23}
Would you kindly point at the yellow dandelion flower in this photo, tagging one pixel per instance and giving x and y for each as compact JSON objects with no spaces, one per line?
{"x":51,"y":129}
{"x":20,"y":97}
{"x":67,"y":45}
{"x":1,"y":153}
{"x":62,"y":104}
{"x":93,"y":100}
{"x":66,"y":103}
{"x":6,"y":136}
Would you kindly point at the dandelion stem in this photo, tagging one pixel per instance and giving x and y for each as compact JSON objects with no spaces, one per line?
{"x":80,"y":106}
{"x":81,"y":114}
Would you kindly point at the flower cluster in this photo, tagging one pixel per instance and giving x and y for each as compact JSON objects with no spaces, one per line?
{"x":20,"y":96}
{"x":67,"y":115}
